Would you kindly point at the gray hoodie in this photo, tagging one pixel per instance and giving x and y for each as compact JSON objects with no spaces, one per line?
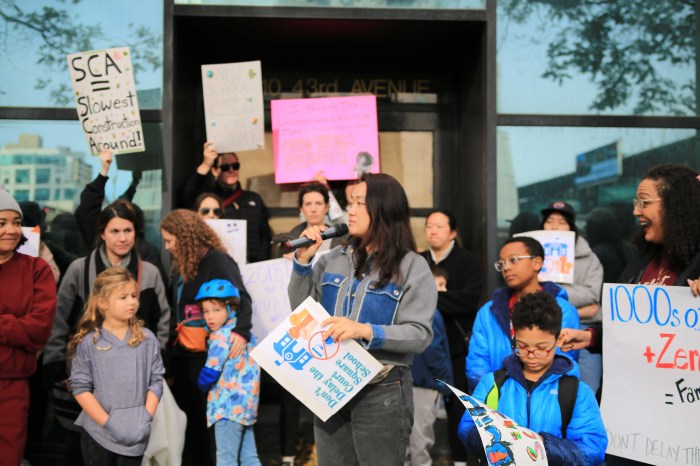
{"x":120,"y":377}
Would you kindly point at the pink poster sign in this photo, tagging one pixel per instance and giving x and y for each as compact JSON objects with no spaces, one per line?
{"x":335,"y":134}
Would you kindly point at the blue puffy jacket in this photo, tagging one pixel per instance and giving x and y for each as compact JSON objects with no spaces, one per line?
{"x":538,"y":410}
{"x":490,"y":342}
{"x":434,"y":362}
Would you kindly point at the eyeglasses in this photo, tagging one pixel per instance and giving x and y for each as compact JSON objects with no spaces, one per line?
{"x":230,"y":166}
{"x":500,"y":265}
{"x":537,"y":353}
{"x":639,"y":203}
{"x":206,"y":210}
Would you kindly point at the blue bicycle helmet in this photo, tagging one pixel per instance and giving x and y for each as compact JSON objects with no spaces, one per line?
{"x":217,"y":289}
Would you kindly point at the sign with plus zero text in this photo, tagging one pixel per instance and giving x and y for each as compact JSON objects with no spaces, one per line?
{"x":651,"y":362}
{"x":105,"y":96}
{"x":336,"y":135}
{"x":321,"y":373}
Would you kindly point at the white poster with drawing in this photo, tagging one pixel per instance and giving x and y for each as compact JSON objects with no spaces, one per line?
{"x":559,"y":253}
{"x":321,"y":373}
{"x":105,"y":96}
{"x":267,"y":283}
{"x":234,"y":235}
{"x":233,"y":106}
{"x":651,"y":363}
{"x":505,"y":441}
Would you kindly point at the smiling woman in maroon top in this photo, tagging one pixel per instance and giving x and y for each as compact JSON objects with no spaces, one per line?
{"x":27,"y":308}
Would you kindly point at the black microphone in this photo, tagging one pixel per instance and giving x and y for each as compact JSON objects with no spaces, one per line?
{"x":332,"y":232}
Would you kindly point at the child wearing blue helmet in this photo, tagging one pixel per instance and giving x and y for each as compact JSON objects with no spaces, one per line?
{"x":233,"y":383}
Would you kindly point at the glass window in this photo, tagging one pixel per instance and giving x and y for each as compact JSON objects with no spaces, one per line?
{"x":33,"y":60}
{"x":426,"y":4}
{"x":59,"y":148}
{"x":586,"y":167}
{"x":624,"y":57}
{"x":21,"y":195}
{"x":22,"y":176}
{"x":42,"y":194}
{"x":43,"y":175}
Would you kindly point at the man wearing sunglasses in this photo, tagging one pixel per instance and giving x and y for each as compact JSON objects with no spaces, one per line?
{"x":218,"y":173}
{"x":520,"y":261}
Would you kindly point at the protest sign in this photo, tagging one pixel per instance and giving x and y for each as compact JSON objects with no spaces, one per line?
{"x":233,"y":233}
{"x":321,"y":373}
{"x":559,"y":253}
{"x":267,"y":283}
{"x":31,"y":247}
{"x":233,"y":106}
{"x":505,"y":441}
{"x":336,"y":134}
{"x":105,"y":96}
{"x":652,"y":373}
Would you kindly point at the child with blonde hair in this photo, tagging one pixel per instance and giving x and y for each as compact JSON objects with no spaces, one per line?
{"x":116,"y":374}
{"x":233,"y":383}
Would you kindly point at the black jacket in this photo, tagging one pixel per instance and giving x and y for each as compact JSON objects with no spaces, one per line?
{"x":460,"y":303}
{"x":248,"y":206}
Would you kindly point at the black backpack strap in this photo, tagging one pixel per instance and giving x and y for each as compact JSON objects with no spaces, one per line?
{"x":492,"y":397}
{"x":568,"y":389}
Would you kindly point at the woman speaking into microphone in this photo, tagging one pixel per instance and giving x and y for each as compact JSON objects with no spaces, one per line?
{"x":381,"y":293}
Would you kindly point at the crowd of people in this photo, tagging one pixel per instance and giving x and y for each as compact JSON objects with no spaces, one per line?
{"x":109,"y":331}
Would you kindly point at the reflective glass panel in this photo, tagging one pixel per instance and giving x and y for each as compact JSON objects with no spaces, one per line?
{"x":38,"y":35}
{"x":29,"y":150}
{"x":408,"y":4}
{"x":589,"y":57}
{"x":586,"y":167}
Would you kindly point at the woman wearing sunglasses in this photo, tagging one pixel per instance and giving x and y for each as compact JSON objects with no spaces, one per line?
{"x":219,"y":174}
{"x":208,"y":206}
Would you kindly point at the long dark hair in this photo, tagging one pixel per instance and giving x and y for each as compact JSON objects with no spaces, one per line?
{"x":390,"y":236}
{"x":120,"y":208}
{"x":679,"y":190}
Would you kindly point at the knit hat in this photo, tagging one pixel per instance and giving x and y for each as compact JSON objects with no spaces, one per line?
{"x":7,"y":202}
{"x":563,"y":208}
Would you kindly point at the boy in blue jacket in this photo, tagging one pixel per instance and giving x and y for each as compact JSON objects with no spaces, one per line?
{"x":530,"y":392}
{"x":428,"y":367}
{"x":520,"y":262}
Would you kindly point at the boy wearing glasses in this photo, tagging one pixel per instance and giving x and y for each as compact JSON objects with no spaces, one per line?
{"x":530,"y":392}
{"x":218,"y":173}
{"x":520,"y":261}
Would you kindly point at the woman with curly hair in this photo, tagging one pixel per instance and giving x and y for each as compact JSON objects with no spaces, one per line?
{"x":200,"y":257}
{"x":667,"y":208}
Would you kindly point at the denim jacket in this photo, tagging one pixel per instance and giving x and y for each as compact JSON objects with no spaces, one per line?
{"x":399,"y":313}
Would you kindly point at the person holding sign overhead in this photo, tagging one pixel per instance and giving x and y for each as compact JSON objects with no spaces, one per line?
{"x":380,"y":292}
{"x":218,"y":173}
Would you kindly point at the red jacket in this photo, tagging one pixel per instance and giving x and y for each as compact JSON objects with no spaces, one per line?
{"x":27,"y":310}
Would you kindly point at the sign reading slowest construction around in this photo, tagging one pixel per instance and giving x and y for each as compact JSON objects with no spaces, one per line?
{"x":105,"y":96}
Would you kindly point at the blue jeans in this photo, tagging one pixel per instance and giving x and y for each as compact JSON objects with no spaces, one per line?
{"x":235,"y":442}
{"x":373,"y":428}
{"x":591,"y":366}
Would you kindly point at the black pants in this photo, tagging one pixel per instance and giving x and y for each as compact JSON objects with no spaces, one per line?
{"x":199,"y":441}
{"x":95,"y":454}
{"x":455,"y":408}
